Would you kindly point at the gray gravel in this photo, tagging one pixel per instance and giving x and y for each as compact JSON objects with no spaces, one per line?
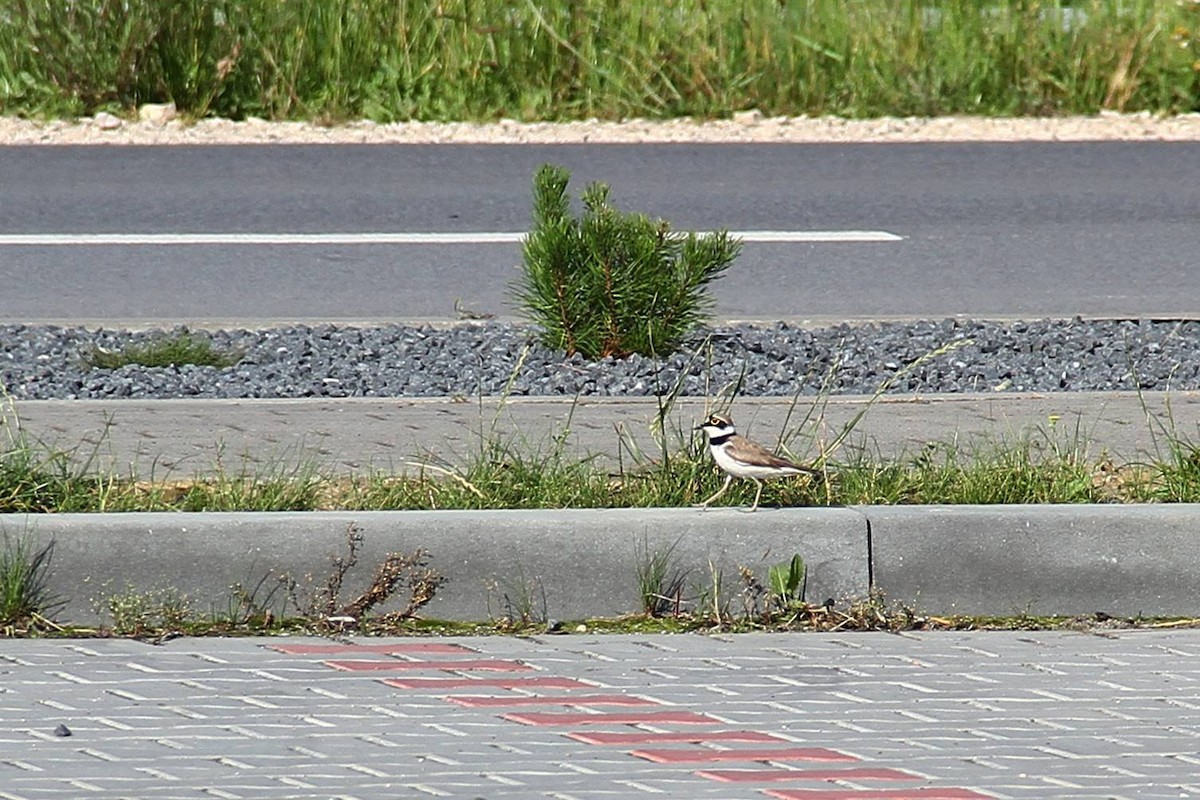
{"x":46,"y":362}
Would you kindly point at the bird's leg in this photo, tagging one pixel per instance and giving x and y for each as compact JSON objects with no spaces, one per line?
{"x":721,"y":491}
{"x":757,"y":495}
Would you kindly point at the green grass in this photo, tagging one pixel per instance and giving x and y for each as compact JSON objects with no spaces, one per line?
{"x":168,"y":350}
{"x":24,"y":569}
{"x":36,"y":478}
{"x":388,"y":60}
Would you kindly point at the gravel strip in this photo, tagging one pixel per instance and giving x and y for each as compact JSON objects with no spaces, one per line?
{"x":745,"y":126}
{"x":46,"y":362}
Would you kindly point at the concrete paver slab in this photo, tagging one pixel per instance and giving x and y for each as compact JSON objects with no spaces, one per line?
{"x":172,"y":439}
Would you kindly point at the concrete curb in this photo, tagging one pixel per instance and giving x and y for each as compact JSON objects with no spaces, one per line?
{"x":1047,"y":559}
{"x":569,"y":564}
{"x":559,"y":564}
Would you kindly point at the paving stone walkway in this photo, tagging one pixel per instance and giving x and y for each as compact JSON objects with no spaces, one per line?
{"x":955,"y":716}
{"x":172,"y":439}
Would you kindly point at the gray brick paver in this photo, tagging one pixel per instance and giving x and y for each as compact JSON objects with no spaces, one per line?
{"x":1019,"y":715}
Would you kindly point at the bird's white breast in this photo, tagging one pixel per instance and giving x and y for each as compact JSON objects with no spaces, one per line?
{"x":744,"y":470}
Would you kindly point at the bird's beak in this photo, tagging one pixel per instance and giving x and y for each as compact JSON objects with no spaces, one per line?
{"x":699,"y":427}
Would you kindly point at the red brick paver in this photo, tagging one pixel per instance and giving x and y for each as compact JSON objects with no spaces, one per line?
{"x":449,"y":684}
{"x":650,"y":737}
{"x":922,"y":793}
{"x":619,"y":718}
{"x":395,"y":648}
{"x":543,"y":700}
{"x":488,"y":664}
{"x":772,"y":775}
{"x":704,"y":755}
{"x":843,"y":776}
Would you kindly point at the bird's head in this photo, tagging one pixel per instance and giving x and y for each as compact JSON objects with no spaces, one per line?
{"x":716,"y":425}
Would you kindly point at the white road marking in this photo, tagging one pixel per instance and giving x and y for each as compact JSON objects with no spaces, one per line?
{"x":60,"y":239}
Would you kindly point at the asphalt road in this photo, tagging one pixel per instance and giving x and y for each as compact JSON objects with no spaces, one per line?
{"x":990,"y":230}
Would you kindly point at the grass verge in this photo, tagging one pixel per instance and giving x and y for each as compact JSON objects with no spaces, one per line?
{"x":332,"y":60}
{"x":1043,"y":466}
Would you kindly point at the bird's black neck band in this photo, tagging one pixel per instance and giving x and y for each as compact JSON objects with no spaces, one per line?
{"x":722,"y":439}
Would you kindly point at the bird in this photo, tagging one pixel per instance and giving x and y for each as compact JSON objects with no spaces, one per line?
{"x":738,"y":457}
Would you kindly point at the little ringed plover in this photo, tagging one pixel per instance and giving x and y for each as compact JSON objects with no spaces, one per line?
{"x":739,"y":457}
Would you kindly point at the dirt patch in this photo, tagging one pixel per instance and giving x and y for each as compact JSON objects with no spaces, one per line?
{"x":747,"y":126}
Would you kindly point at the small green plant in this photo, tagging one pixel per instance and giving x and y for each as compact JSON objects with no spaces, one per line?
{"x":712,"y":599}
{"x":130,"y":611}
{"x":522,"y":600}
{"x":660,"y":580}
{"x":155,"y":612}
{"x":787,"y":581}
{"x":172,"y":350}
{"x":25,"y":598}
{"x":614,"y":283}
{"x":250,"y":606}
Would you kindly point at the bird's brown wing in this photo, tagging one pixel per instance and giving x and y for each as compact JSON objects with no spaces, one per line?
{"x":747,"y":450}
